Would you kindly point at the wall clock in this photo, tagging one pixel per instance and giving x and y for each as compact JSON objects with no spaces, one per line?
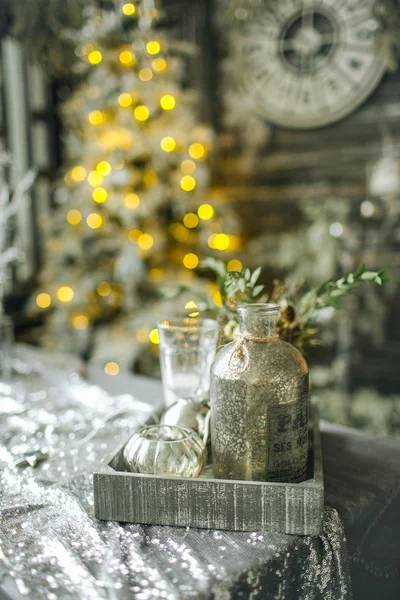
{"x":308,"y":64}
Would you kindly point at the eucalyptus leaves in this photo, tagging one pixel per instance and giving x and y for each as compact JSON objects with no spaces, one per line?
{"x":299,"y":305}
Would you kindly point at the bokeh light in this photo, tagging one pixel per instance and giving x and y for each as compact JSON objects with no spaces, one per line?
{"x":190,"y":220}
{"x":234,"y":265}
{"x":111,"y":368}
{"x":96,"y":117}
{"x":159,"y":64}
{"x":145,"y":74}
{"x":188,"y":167}
{"x":43,"y":300}
{"x":99,"y":195}
{"x":78,"y":173}
{"x":168,"y":144}
{"x":205,"y":212}
{"x":65,"y":293}
{"x":190,"y":260}
{"x":94,"y":220}
{"x":126,"y":58}
{"x":188,"y":183}
{"x":80,"y":322}
{"x":129,"y":9}
{"x":74,"y":216}
{"x":153,"y":336}
{"x":131,"y":201}
{"x":95,"y":57}
{"x":125,"y":100}
{"x":94,"y":179}
{"x":167,"y":102}
{"x":103,"y":168}
{"x":104,"y":289}
{"x":153,"y":47}
{"x":145,"y":241}
{"x":221,"y":241}
{"x":196,"y":150}
{"x":141,"y":113}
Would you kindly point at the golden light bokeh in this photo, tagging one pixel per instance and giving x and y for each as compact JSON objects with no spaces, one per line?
{"x":188,"y":167}
{"x":150,"y":177}
{"x":168,"y":144}
{"x":104,"y":289}
{"x":217,"y":298}
{"x":125,"y":99}
{"x":141,"y":113}
{"x":190,"y":306}
{"x":74,"y":216}
{"x":167,"y":102}
{"x":111,"y":368}
{"x":78,"y":173}
{"x":221,"y":241}
{"x":96,"y":117}
{"x":159,"y":64}
{"x":142,"y":335}
{"x":234,"y":265}
{"x":126,"y":58}
{"x":179,"y":232}
{"x":145,"y":74}
{"x":210,"y":240}
{"x":94,"y":220}
{"x":153,"y":336}
{"x":43,"y":300}
{"x":94,"y":179}
{"x":95,"y":57}
{"x":65,"y":293}
{"x":99,"y":195}
{"x":103,"y":168}
{"x":134,"y":235}
{"x":80,"y":322}
{"x":153,"y":47}
{"x":131,"y":201}
{"x":196,"y":150}
{"x":145,"y":241}
{"x":190,"y":260}
{"x":129,"y":9}
{"x":190,"y":220}
{"x":205,"y":212}
{"x":188,"y":183}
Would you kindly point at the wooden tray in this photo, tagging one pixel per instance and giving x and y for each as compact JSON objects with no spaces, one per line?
{"x":214,"y":503}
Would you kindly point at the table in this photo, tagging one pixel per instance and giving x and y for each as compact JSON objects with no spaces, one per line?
{"x":362,"y":482}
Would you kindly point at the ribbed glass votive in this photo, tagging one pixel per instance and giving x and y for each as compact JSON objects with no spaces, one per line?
{"x":165,"y":450}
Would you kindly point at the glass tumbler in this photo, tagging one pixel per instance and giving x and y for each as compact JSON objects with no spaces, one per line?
{"x":165,"y":450}
{"x":187,"y":350}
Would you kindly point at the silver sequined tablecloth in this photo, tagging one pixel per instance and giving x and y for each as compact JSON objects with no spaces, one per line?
{"x":52,"y":548}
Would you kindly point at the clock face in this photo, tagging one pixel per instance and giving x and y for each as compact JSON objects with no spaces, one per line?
{"x":308,"y":64}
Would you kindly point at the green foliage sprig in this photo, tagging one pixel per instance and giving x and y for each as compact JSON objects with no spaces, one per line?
{"x":299,"y":306}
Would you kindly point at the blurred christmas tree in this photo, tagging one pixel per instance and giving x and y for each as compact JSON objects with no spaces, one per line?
{"x":133,"y":210}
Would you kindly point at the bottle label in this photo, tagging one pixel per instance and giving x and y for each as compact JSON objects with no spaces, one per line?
{"x":288,"y":441}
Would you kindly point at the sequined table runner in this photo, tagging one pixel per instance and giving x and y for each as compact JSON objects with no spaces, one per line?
{"x":52,"y":548}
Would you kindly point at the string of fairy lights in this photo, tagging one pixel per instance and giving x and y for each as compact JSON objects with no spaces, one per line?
{"x":113,"y":134}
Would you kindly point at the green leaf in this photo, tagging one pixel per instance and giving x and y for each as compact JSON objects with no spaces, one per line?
{"x":218,"y":266}
{"x":256,"y":274}
{"x":361,"y":269}
{"x":247,"y":274}
{"x":257,"y":290}
{"x":369,"y":276}
{"x":242,"y":285}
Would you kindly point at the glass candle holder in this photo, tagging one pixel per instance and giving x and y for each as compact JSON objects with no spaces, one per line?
{"x":165,"y":450}
{"x":187,"y":350}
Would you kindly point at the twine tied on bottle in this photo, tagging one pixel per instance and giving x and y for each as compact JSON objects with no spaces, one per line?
{"x":240,"y":351}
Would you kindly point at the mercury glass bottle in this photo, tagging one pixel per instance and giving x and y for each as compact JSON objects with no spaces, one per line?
{"x":259,"y":403}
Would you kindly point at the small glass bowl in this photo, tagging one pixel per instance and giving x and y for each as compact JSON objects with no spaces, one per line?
{"x":165,"y":450}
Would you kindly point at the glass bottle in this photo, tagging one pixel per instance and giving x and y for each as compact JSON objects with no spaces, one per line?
{"x":259,"y":403}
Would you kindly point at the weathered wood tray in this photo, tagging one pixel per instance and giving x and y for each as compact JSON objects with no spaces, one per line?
{"x":214,"y":503}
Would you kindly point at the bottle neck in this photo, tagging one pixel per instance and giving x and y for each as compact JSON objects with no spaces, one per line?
{"x":259,"y":320}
